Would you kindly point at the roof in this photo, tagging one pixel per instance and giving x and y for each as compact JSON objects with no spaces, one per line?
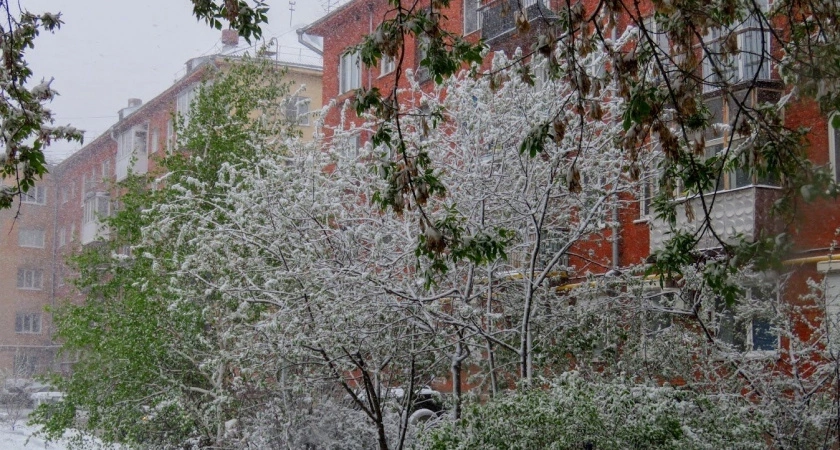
{"x":313,"y":28}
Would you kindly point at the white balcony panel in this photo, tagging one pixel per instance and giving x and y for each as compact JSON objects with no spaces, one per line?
{"x":92,"y":231}
{"x":741,"y":211}
{"x":141,"y":166}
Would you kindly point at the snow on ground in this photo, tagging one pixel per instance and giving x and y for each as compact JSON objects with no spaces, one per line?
{"x":18,"y":438}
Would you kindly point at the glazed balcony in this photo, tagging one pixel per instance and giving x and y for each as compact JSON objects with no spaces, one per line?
{"x":742,"y":211}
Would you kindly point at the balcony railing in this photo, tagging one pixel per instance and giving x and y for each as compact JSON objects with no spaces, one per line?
{"x":744,"y":211}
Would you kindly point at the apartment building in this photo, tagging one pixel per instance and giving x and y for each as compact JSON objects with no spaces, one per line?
{"x":64,"y":211}
{"x":742,"y":203}
{"x":27,"y":246}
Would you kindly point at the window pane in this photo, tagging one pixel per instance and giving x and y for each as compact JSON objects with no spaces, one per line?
{"x":763,"y":336}
{"x":837,"y":155}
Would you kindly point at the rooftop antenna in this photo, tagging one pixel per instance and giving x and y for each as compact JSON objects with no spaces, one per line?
{"x":329,"y":4}
{"x":292,"y":4}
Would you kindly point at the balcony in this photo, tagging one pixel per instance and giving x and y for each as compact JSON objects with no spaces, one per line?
{"x":742,"y":211}
{"x":499,"y":18}
{"x":96,"y":207}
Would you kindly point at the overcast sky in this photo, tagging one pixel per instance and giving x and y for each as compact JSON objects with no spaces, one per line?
{"x":108,"y":51}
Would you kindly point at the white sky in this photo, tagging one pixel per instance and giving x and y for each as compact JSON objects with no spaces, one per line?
{"x":108,"y":51}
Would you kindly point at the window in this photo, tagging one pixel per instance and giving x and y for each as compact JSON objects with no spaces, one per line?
{"x":834,"y":146}
{"x":153,"y":145}
{"x":831,"y":290}
{"x":29,"y":323}
{"x":36,"y":195}
{"x":422,"y":73}
{"x":62,"y":237}
{"x":132,"y":147}
{"x":751,"y":61}
{"x":96,"y":207}
{"x":297,"y":110}
{"x":472,"y":18}
{"x":106,"y":168}
{"x":386,"y":65}
{"x":184,"y":102}
{"x":499,"y":18}
{"x":132,"y":142}
{"x":170,"y":135}
{"x":349,"y":72}
{"x":31,"y":237}
{"x":552,"y":243}
{"x":751,"y":332}
{"x":660,"y":44}
{"x":659,"y":311}
{"x":65,"y":194}
{"x":731,"y":179}
{"x":30,"y":279}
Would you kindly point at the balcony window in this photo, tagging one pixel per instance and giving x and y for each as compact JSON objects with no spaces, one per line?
{"x":184,"y":101}
{"x":96,"y":207}
{"x":500,"y":18}
{"x":727,"y":179}
{"x":349,"y":72}
{"x":750,"y":62}
{"x":132,"y":146}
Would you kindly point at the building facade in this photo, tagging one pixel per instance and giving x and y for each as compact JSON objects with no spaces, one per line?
{"x":742,"y":203}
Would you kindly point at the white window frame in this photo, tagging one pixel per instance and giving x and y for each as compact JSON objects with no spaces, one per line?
{"x":834,"y":148}
{"x":128,"y":144}
{"x":170,"y":135}
{"x":349,"y":71}
{"x":96,"y":207}
{"x":386,"y":65}
{"x":472,"y":16}
{"x":297,"y":110}
{"x":30,"y":279}
{"x":154,"y":142}
{"x":831,"y":290}
{"x":37,"y":195}
{"x":748,"y":328}
{"x":184,"y":101}
{"x":735,"y":67}
{"x":28,"y":323}
{"x":31,"y":237}
{"x":729,"y":179}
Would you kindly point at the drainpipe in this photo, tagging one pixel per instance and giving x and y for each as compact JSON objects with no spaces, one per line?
{"x":307,"y":44}
{"x":370,"y":32}
{"x":615,"y":237}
